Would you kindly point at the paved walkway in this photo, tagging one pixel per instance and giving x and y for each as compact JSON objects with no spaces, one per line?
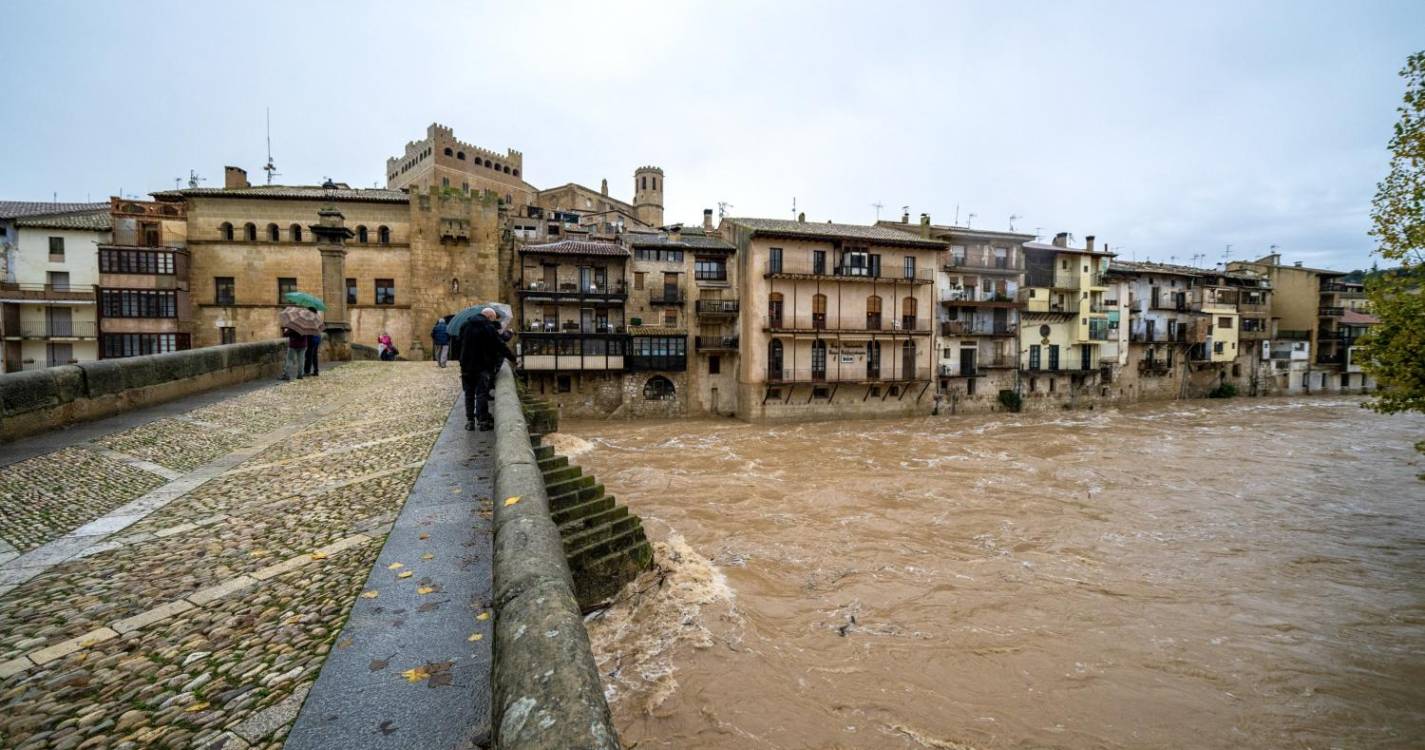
{"x":180,"y":582}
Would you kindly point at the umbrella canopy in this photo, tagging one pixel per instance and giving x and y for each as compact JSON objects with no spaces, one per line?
{"x":301,"y":320}
{"x":469,"y":314}
{"x":304,"y":299}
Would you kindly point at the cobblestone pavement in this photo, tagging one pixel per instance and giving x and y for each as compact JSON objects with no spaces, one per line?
{"x":204,"y":623}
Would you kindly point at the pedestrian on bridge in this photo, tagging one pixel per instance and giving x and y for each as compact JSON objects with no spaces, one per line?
{"x":440,"y":338}
{"x":296,"y":353}
{"x":481,"y":351}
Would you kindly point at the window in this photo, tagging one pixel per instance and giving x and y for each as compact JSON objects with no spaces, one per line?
{"x":818,"y":311}
{"x":296,"y":231}
{"x":351,"y":291}
{"x":56,"y":249}
{"x":460,"y":155}
{"x":659,"y":353}
{"x":774,"y":310}
{"x":660,"y":255}
{"x":818,"y":359}
{"x":138,"y":303}
{"x":714,"y":364}
{"x":385,"y":291}
{"x":1033,"y":359}
{"x":464,"y":187}
{"x":150,"y":233}
{"x":224,"y":290}
{"x":58,"y":280}
{"x":774,"y":260}
{"x":908,"y":360}
{"x":659,"y":388}
{"x":908,"y":311}
{"x":449,"y":151}
{"x":115,"y":345}
{"x":285,"y":285}
{"x":564,"y":384}
{"x":638,"y":279}
{"x":249,"y":232}
{"x":710,"y":269}
{"x":383,"y":235}
{"x":821,"y":391}
{"x":1224,"y":322}
{"x":873,"y":313}
{"x":774,"y":360}
{"x":818,"y":261}
{"x":361,"y":235}
{"x":909,"y":266}
{"x":873,"y":360}
{"x":445,"y":182}
{"x":225,"y":230}
{"x":136,"y":261}
{"x":227,"y":335}
{"x":273,"y":234}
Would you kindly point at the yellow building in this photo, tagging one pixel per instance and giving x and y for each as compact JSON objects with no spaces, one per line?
{"x":1065,"y":320}
{"x":836,"y":319}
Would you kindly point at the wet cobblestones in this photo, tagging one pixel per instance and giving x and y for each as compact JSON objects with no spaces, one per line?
{"x":43,"y":497}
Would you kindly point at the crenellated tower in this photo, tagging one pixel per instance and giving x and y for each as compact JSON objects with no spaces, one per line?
{"x":648,"y":195}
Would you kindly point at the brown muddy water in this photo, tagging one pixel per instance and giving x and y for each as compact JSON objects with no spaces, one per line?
{"x":1196,"y":574}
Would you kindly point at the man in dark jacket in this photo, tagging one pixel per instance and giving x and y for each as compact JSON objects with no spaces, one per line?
{"x":440,"y":339}
{"x":481,"y":350}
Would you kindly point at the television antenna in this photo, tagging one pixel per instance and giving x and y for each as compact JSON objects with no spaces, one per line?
{"x":194,"y":179}
{"x":722,"y":207}
{"x":1227,"y":252}
{"x":970,"y":221}
{"x":878,"y":206}
{"x":1038,"y":232}
{"x":270,"y":168}
{"x":794,"y":207}
{"x":1012,"y":218}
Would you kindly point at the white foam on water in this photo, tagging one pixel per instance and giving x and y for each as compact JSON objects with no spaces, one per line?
{"x":569,"y":446}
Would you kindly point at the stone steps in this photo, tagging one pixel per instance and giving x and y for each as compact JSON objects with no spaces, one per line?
{"x":604,"y":543}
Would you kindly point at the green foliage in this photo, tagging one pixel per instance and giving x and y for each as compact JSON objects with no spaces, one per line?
{"x":1395,"y":349}
{"x":1011,"y":400}
{"x":1224,"y":390}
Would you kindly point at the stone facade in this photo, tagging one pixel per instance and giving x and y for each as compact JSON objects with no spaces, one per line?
{"x":440,"y":160}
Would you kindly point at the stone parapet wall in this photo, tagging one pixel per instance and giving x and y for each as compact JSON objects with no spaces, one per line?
{"x":35,"y":401}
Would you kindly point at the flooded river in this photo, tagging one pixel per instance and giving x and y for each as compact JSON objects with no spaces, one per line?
{"x":1196,"y":574}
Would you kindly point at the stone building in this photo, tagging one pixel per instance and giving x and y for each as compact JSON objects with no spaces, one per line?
{"x":51,"y":270}
{"x":838,"y":321}
{"x":599,"y":213}
{"x":1064,"y":322}
{"x":440,"y":160}
{"x":144,"y":297}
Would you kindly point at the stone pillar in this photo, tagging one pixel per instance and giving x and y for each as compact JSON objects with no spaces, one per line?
{"x":331,"y":235}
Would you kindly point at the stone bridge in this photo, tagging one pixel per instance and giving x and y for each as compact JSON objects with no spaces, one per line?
{"x":321,"y":563}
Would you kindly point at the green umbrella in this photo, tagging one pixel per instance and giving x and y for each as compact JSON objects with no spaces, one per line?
{"x":469,"y":313}
{"x":302,"y":299}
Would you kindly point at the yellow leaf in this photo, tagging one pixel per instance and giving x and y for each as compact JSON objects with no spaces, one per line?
{"x":258,"y":552}
{"x":511,"y":500}
{"x":370,"y":594}
{"x":415,"y":674}
{"x":455,"y":490}
{"x":319,"y":555}
{"x":475,"y":637}
{"x":425,"y":535}
{"x":406,"y":574}
{"x":395,"y":566}
{"x":427,"y":556}
{"x":196,"y":707}
{"x":424,"y":590}
{"x":483,"y":616}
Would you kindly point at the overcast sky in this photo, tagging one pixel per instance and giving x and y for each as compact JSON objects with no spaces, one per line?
{"x":1168,"y":130}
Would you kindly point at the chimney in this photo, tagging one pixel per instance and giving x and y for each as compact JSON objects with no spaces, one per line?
{"x":1088,"y":243}
{"x":905,"y":217}
{"x":925,"y":226}
{"x":604,"y":188}
{"x":707,"y":220}
{"x":235,"y":177}
{"x":802,"y":217}
{"x":1061,"y":239}
{"x":675,"y":233}
{"x":1297,"y":264}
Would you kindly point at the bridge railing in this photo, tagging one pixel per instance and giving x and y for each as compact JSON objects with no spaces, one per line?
{"x":545,"y":684}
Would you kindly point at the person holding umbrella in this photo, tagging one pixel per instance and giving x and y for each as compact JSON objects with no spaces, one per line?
{"x":315,"y":306}
{"x":314,"y":343}
{"x":480,"y":352}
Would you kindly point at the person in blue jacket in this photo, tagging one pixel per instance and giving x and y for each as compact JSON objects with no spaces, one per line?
{"x":440,"y":337}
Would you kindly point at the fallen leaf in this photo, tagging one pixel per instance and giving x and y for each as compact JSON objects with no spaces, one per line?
{"x":444,"y":679}
{"x":511,"y":500}
{"x":370,"y":594}
{"x":483,"y":616}
{"x":405,"y":574}
{"x":319,"y":555}
{"x":344,"y":643}
{"x":387,"y":727}
{"x":424,"y":590}
{"x":427,"y":556}
{"x":196,"y":707}
{"x":425,"y":535}
{"x":475,"y":637}
{"x":429,"y":606}
{"x":258,"y":552}
{"x":415,"y":674}
{"x":455,"y":490}
{"x":379,"y":664}
{"x":395,"y":566}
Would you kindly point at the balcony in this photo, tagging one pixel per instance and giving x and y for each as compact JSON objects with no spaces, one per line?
{"x":668,"y":295}
{"x":1293,"y":335}
{"x":1100,"y":334}
{"x":1338,"y":358}
{"x":976,"y":328}
{"x":1249,"y":334}
{"x":715,"y":343}
{"x":1350,"y":290}
{"x":980,"y":265}
{"x":10,"y":292}
{"x":819,"y":324}
{"x":714,"y":308}
{"x":569,"y":327}
{"x":1159,"y":337}
{"x":1253,"y":308}
{"x":539,"y":290}
{"x":71,"y":330}
{"x":791,"y":268}
{"x":1331,"y":312}
{"x":884,"y":374}
{"x":575,"y":351}
{"x":1156,"y":367}
{"x":963,"y":297}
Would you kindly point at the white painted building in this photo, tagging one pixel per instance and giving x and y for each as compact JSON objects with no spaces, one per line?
{"x":51,"y":267}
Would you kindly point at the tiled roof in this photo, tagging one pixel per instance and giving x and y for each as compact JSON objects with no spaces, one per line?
{"x":829,"y":231}
{"x":697,"y":241}
{"x":656,"y":331}
{"x":293,"y":192}
{"x":576,"y":247}
{"x":914,"y":228}
{"x":1125,"y":266}
{"x":1055,"y":248}
{"x":20,"y":209}
{"x":1357,"y":318}
{"x":94,"y":221}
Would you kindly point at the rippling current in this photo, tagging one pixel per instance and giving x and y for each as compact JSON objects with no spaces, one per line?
{"x":1232,"y":574}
